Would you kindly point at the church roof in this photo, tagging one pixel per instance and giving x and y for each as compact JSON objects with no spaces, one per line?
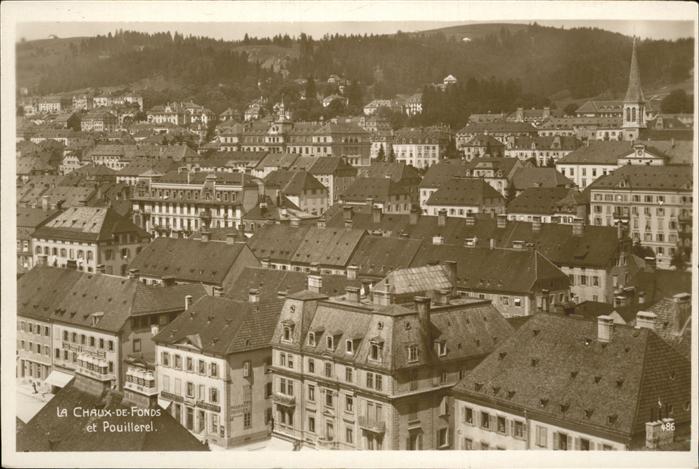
{"x":634,"y":93}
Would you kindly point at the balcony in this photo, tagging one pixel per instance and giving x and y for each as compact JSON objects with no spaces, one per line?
{"x":372,"y":425}
{"x":328,"y":444}
{"x":284,"y":399}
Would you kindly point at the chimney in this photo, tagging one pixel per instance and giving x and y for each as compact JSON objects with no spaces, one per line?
{"x":230,"y":238}
{"x":44,"y":202}
{"x":605,"y":328}
{"x":423,"y":306}
{"x":450,"y":267}
{"x":536,"y":226}
{"x":502,"y":221}
{"x":547,"y":112}
{"x":133,"y":273}
{"x":414,"y":216}
{"x":681,"y":311}
{"x":205,"y":236}
{"x":168,"y":281}
{"x":646,"y":320}
{"x":187,"y":302}
{"x":315,"y":268}
{"x":100,"y":269}
{"x":578,"y":227}
{"x":315,"y":283}
{"x":492,"y":243}
{"x":443,"y":296}
{"x":347,"y":213}
{"x":376,"y":214}
{"x":383,"y":298}
{"x":442,"y":218}
{"x":437,"y":240}
{"x":253,"y":295}
{"x":217,"y":291}
{"x":352,"y":294}
{"x":352,"y":272}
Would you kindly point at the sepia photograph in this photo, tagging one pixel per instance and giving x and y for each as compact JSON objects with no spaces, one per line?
{"x":252,"y":229}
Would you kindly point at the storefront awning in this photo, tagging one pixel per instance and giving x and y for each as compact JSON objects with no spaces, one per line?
{"x":58,"y":378}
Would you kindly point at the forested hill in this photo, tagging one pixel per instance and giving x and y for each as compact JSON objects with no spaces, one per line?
{"x":541,"y":61}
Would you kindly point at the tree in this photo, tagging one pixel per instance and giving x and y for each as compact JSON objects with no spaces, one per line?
{"x":570,"y":109}
{"x":678,"y":101}
{"x":679,"y":259}
{"x":550,"y":163}
{"x":641,"y":251}
{"x":74,"y":122}
{"x":510,"y":193}
{"x":392,"y":156}
{"x":310,"y":88}
{"x":381,"y":155}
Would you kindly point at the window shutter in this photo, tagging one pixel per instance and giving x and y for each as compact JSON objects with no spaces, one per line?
{"x":509,"y":427}
{"x":493,"y":423}
{"x":555,"y":440}
{"x":578,"y":444}
{"x":570,"y":443}
{"x":524,"y":430}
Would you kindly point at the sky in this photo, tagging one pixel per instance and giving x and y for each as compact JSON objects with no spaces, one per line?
{"x":237,"y":30}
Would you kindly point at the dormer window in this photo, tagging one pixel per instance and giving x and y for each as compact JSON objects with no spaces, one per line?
{"x":287,"y":331}
{"x":312,"y":339}
{"x":329,"y":342}
{"x":413,"y":353}
{"x":442,"y":349}
{"x":349,"y":346}
{"x":374,"y":351}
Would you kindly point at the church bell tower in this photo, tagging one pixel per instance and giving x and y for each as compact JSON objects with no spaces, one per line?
{"x":634,"y":102}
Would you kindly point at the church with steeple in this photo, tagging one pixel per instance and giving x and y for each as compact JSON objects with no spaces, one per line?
{"x":634,"y":109}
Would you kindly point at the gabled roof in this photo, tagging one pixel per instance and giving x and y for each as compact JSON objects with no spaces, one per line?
{"x":647,"y":177}
{"x":545,"y":201}
{"x":397,"y":171}
{"x":188,"y":260}
{"x":498,"y":127}
{"x":414,"y":280}
{"x":269,"y":282}
{"x":444,"y":171}
{"x":334,"y":165}
{"x":88,"y":224}
{"x":555,"y":368}
{"x":521,"y":271}
{"x":598,"y":152}
{"x":378,"y":188}
{"x":527,"y":177}
{"x":327,"y":246}
{"x":46,"y":431}
{"x":465,"y":192}
{"x":277,"y":242}
{"x":222,"y":326}
{"x":378,"y":255}
{"x":293,"y":182}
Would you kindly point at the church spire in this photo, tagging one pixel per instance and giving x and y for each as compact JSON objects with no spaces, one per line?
{"x":634,"y":93}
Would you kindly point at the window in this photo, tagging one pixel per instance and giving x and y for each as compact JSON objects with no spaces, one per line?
{"x":328,"y":369}
{"x":518,"y":429}
{"x":583,"y":444}
{"x":442,"y":347}
{"x":485,"y":420}
{"x":485,"y":446}
{"x":136,"y":344}
{"x":311,"y":365}
{"x":101,"y":343}
{"x":312,"y":339}
{"x":378,"y":382}
{"x":349,"y":346}
{"x":518,"y":302}
{"x":349,"y":403}
{"x":189,"y":363}
{"x":412,"y":353}
{"x":443,"y":376}
{"x":178,"y":362}
{"x":443,"y":437}
{"x":202,"y":367}
{"x":349,"y":435}
{"x":282,"y":359}
{"x":369,"y":380}
{"x":213,"y":395}
{"x":246,"y":369}
{"x":468,"y":444}
{"x":348,"y":374}
{"x":287,"y":334}
{"x":247,"y":420}
{"x":214,"y":370}
{"x":541,"y":437}
{"x":560,"y":441}
{"x":468,"y":415}
{"x":329,"y":343}
{"x":190,"y":389}
{"x":328,"y":398}
{"x":374,"y":351}
{"x":290,"y":360}
{"x":312,"y":424}
{"x":111,"y":345}
{"x":502,"y":424}
{"x":311,"y":393}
